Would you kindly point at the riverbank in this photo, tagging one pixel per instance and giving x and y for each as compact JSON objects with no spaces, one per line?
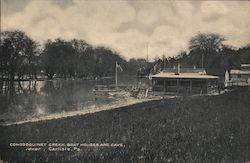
{"x":183,"y":129}
{"x":81,"y":111}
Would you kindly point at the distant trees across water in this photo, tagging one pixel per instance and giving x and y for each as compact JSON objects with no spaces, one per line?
{"x":76,"y":58}
{"x":208,"y":51}
{"x":23,"y":58}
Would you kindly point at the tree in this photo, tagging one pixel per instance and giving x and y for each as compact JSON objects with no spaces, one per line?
{"x":244,"y":53}
{"x":139,"y":66}
{"x":18,"y":53}
{"x":59,"y":58}
{"x":76,"y":58}
{"x":83,"y":60}
{"x":104,"y":61}
{"x":206,"y":44}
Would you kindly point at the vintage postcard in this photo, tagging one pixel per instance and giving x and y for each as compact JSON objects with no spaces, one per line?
{"x":125,"y":81}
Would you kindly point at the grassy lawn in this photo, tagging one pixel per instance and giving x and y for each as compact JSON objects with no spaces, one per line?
{"x":184,"y":129}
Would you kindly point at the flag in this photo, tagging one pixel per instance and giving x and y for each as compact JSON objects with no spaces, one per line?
{"x":118,"y":66}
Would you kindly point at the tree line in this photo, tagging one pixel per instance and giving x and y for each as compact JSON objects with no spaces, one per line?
{"x":23,"y":58}
{"x":208,"y":51}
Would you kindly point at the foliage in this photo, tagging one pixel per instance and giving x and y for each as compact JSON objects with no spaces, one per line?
{"x":19,"y":54}
{"x":76,"y":58}
{"x":217,"y":55}
{"x":206,"y":42}
{"x":138,"y":66}
{"x":58,"y":58}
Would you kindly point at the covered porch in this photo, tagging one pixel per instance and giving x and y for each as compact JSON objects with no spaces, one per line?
{"x":185,"y":85}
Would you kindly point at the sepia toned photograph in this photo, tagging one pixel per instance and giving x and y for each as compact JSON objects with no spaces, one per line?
{"x":125,"y":81}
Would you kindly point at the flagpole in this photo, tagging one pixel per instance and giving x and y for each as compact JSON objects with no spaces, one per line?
{"x":116,"y":75}
{"x":147,"y":52}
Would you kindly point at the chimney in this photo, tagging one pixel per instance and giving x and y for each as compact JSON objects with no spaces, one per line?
{"x":177,"y":71}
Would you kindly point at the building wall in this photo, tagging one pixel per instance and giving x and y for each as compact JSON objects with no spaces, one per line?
{"x":238,"y":76}
{"x":183,"y":86}
{"x":239,"y":80}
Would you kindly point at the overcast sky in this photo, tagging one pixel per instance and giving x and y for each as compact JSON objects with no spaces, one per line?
{"x":127,"y":26}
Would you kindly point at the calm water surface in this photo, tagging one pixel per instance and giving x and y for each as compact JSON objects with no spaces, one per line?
{"x":28,"y":99}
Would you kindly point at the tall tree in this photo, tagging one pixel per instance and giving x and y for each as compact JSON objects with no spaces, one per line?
{"x":206,"y":44}
{"x":82,"y":49}
{"x":59,"y":58}
{"x":17,"y":53}
{"x":105,"y":60}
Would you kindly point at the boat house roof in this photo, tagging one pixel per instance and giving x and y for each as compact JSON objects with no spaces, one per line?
{"x":242,"y":72}
{"x":184,"y":75}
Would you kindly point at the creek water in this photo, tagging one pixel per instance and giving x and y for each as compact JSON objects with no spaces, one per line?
{"x":28,"y":99}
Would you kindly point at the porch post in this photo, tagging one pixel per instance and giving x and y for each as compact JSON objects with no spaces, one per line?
{"x":152,"y":82}
{"x":190,"y":85}
{"x":177,"y":80}
{"x":164,"y":85}
{"x":207,"y":86}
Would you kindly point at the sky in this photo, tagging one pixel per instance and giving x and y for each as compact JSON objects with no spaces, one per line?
{"x":133,"y":28}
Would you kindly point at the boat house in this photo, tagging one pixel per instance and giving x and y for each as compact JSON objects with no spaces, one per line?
{"x":184,"y":81}
{"x":238,"y":77}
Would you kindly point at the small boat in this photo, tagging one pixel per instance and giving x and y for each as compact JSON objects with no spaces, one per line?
{"x":108,"y":89}
{"x":105,"y":90}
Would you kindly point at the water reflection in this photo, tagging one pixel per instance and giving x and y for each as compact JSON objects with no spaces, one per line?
{"x":27,"y":99}
{"x":21,"y":100}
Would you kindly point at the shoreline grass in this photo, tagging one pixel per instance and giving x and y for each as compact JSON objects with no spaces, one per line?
{"x":183,"y":129}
